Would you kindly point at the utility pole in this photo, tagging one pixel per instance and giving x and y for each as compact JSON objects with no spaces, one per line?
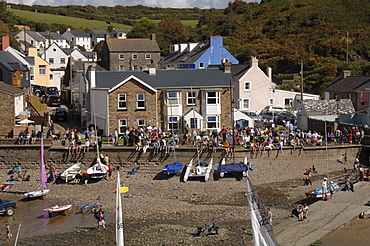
{"x":347,"y":47}
{"x":301,"y":81}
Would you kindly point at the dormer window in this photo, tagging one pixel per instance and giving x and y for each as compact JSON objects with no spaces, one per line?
{"x":135,"y":56}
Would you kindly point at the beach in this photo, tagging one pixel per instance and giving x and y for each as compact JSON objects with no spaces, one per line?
{"x":165,"y":211}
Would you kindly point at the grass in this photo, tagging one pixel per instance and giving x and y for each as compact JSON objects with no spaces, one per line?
{"x":79,"y":23}
{"x":73,"y":22}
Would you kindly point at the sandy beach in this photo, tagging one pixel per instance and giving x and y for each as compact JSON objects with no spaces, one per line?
{"x":167,"y":211}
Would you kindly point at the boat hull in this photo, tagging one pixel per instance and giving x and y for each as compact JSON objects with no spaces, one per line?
{"x":58,"y":209}
{"x":38,"y":193}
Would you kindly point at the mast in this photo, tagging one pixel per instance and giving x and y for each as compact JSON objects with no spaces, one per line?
{"x":301,"y":81}
{"x":119,"y":220}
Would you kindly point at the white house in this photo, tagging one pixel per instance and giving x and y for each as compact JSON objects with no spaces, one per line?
{"x":254,"y":89}
{"x":78,"y":38}
{"x":29,"y":39}
{"x":96,"y":36}
{"x":54,"y":37}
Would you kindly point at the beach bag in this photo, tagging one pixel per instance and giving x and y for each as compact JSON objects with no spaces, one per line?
{"x":104,"y":217}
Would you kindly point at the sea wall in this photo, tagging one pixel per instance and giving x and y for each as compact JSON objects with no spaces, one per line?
{"x":269,"y":167}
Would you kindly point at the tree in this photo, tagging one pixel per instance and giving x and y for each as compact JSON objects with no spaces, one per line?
{"x":142,"y":29}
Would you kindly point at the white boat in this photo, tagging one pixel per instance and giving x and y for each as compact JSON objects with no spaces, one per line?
{"x":201,"y":169}
{"x":98,"y":170}
{"x":40,"y":193}
{"x":71,"y":172}
{"x":58,"y":209}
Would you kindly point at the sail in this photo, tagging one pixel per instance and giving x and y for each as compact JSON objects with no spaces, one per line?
{"x":119,"y":222}
{"x":262,"y":230}
{"x":42,"y":164}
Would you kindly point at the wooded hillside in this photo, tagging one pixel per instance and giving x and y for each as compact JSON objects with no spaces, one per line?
{"x":281,"y":33}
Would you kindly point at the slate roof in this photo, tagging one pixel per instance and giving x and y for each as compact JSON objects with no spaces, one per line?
{"x":99,"y":33}
{"x":181,"y":79}
{"x":328,"y":107}
{"x":79,"y":33}
{"x":132,"y":45}
{"x":187,"y":57}
{"x":54,"y":35}
{"x":11,"y":63}
{"x":79,"y":66}
{"x":350,"y":83}
{"x":238,"y":70}
{"x":35,"y":36}
{"x":11,"y":90}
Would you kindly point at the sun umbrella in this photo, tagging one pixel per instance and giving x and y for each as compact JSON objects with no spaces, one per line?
{"x":27,"y":121}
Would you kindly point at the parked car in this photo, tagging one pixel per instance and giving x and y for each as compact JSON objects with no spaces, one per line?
{"x":39,"y":90}
{"x":7,"y":207}
{"x":286,"y":116}
{"x":60,"y":114}
{"x":270,"y":112}
{"x":52,"y":90}
{"x":53,"y":100}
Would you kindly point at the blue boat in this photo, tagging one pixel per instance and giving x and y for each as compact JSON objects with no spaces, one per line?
{"x":173,"y":168}
{"x":317,"y":193}
{"x":234,"y":168}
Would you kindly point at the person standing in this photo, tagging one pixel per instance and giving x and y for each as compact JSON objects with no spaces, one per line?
{"x":324,"y":186}
{"x":115,"y":137}
{"x":8,"y":233}
{"x":332,"y":189}
{"x":269,"y":216}
{"x":101,"y":219}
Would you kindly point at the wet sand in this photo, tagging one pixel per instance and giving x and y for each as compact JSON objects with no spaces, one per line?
{"x":355,"y":232}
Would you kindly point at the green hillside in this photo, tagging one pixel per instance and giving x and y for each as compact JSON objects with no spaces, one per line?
{"x":72,"y":22}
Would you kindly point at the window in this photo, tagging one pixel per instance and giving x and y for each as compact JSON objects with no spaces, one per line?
{"x":121,"y":56}
{"x":62,"y":60}
{"x":212,"y":97}
{"x":135,"y":56}
{"x":135,"y":67}
{"x":201,"y":64}
{"x":191,"y":98}
{"x":212,"y":122}
{"x":247,"y":86}
{"x":173,"y":123}
{"x":148,"y":56}
{"x":17,"y":121}
{"x":122,"y":101}
{"x":51,"y":76}
{"x":193,"y":123}
{"x":245,"y":103}
{"x":42,"y":69}
{"x":140,"y":101}
{"x":141,"y":122}
{"x":51,"y":60}
{"x":121,"y":68}
{"x":288,"y":102}
{"x":271,"y":101}
{"x":122,"y":126}
{"x":173,"y":98}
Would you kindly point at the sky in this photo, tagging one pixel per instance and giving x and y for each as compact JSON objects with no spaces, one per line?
{"x":203,"y":4}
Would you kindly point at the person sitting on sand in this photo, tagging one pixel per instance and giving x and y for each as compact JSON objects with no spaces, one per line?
{"x":294,"y":213}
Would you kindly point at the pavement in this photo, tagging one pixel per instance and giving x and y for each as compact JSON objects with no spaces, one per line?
{"x":324,"y":217}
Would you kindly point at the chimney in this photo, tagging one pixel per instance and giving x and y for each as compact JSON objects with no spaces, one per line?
{"x":217,"y":42}
{"x":152,"y":69}
{"x":227,"y":67}
{"x":152,"y":36}
{"x":91,"y":76}
{"x":254,"y":61}
{"x":269,"y":73}
{"x":68,"y":29}
{"x":4,"y":42}
{"x":58,"y":32}
{"x":346,"y":73}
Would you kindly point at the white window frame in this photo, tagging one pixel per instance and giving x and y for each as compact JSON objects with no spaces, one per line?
{"x":62,"y":60}
{"x":148,"y":56}
{"x":135,"y":56}
{"x":51,"y":60}
{"x":290,"y":104}
{"x":135,"y":67}
{"x":191,"y":99}
{"x":195,"y":120}
{"x":139,"y":100}
{"x":121,"y":68}
{"x":173,"y":123}
{"x":141,"y":122}
{"x":122,"y":100}
{"x":216,"y":97}
{"x":121,"y":56}
{"x":173,"y":98}
{"x":209,"y":120}
{"x":244,"y":100}
{"x":247,"y":85}
{"x":42,"y":70}
{"x":122,"y":123}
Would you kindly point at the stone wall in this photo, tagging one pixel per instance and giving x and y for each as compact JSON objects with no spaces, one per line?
{"x":268,"y":167}
{"x":6,"y":114}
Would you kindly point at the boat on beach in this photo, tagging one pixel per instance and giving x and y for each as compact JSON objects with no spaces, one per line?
{"x":71,"y":172}
{"x":173,"y":168}
{"x":317,"y":193}
{"x":233,"y":168}
{"x":98,"y":170}
{"x":58,"y":209}
{"x":201,"y":169}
